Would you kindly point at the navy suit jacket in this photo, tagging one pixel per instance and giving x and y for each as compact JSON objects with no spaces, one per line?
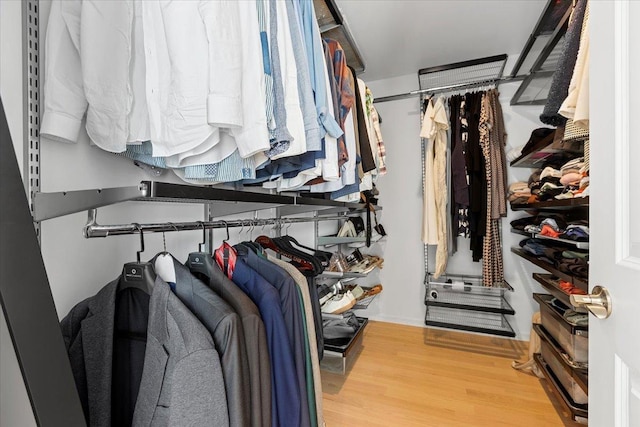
{"x":286,"y":397}
{"x":292,"y":313}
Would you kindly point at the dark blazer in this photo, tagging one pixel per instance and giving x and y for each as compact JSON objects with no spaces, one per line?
{"x":224,"y":325}
{"x":181,"y":383}
{"x":254,"y":334}
{"x":293,"y":320}
{"x":286,"y":394}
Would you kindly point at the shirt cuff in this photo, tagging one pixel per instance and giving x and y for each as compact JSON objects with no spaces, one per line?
{"x":224,"y":111}
{"x":331,"y":126}
{"x":253,"y":140}
{"x":60,"y":126}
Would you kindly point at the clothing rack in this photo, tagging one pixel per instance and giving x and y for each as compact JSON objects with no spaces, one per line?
{"x":457,"y":76}
{"x":93,"y":229}
{"x":444,"y":89}
{"x":35,"y":333}
{"x":446,"y":78}
{"x":460,"y":301}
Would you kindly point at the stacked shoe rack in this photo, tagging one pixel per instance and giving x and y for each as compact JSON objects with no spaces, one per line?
{"x":563,"y":358}
{"x":340,"y":354}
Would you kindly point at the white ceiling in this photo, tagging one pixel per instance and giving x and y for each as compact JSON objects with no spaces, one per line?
{"x":398,"y":37}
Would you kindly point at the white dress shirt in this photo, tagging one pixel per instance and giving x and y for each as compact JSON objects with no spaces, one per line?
{"x":192,"y":72}
{"x":295,"y":121}
{"x":253,"y":136}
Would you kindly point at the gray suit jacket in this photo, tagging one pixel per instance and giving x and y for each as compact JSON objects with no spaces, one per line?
{"x":255,"y":340}
{"x":226,"y":329}
{"x":181,"y":380}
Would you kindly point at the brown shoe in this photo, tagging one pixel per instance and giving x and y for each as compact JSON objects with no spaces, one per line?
{"x":374,"y":290}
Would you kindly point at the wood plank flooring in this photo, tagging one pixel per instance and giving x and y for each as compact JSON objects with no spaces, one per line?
{"x":411,"y":376}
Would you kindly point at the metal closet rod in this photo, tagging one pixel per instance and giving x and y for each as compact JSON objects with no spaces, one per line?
{"x":448,"y":88}
{"x":93,"y":229}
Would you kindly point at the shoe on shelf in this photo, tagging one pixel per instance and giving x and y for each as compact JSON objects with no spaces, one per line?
{"x":367,"y":265}
{"x":375,"y":236}
{"x":339,"y":303}
{"x":356,"y":291}
{"x":324,"y":293}
{"x":374,"y":290}
{"x":347,"y":230}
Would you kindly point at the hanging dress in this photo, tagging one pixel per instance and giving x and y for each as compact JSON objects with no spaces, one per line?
{"x":434,"y":128}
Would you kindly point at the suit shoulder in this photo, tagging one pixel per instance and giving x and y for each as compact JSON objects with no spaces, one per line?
{"x":181,"y":321}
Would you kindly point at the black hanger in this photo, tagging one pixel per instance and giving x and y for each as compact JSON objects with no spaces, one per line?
{"x":252,"y":246}
{"x":323,"y":256}
{"x":301,"y":262}
{"x":201,"y":262}
{"x":138,"y":275}
{"x":287,"y":249}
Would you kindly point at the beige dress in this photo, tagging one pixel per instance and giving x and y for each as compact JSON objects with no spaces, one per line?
{"x":492,"y":141}
{"x":429,"y":228}
{"x":434,"y":128}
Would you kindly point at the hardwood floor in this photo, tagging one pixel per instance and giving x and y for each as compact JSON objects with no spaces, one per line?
{"x":411,"y":376}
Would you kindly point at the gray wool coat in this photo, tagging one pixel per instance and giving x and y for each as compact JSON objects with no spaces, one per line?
{"x":182,"y":382}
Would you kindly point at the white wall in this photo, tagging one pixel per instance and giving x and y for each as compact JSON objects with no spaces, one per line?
{"x":401,"y":196}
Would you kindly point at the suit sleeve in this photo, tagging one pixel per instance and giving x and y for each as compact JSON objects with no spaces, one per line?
{"x":235,"y":370}
{"x":198,"y":396}
{"x":222,"y":24}
{"x":64,"y":98}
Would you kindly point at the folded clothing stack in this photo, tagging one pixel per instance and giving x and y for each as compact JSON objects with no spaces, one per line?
{"x":339,"y":326}
{"x":560,"y":178}
{"x":519,"y":193}
{"x":533,"y":224}
{"x":575,"y":179}
{"x":575,"y":264}
{"x":576,"y":232}
{"x":566,"y":287}
{"x":553,"y":225}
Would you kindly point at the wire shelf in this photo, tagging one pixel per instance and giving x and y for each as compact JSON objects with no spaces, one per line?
{"x":577,"y":244}
{"x":467,"y":297}
{"x":473,"y":282}
{"x":476,"y":71}
{"x":364,"y":302}
{"x":333,"y":240}
{"x":340,"y":275}
{"x":472,"y":321}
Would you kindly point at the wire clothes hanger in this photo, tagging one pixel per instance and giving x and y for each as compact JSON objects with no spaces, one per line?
{"x":164,"y":240}
{"x":226,"y":224}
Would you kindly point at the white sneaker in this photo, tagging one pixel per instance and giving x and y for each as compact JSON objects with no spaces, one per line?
{"x":375,"y":236}
{"x":347,"y":230}
{"x":339,"y":303}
